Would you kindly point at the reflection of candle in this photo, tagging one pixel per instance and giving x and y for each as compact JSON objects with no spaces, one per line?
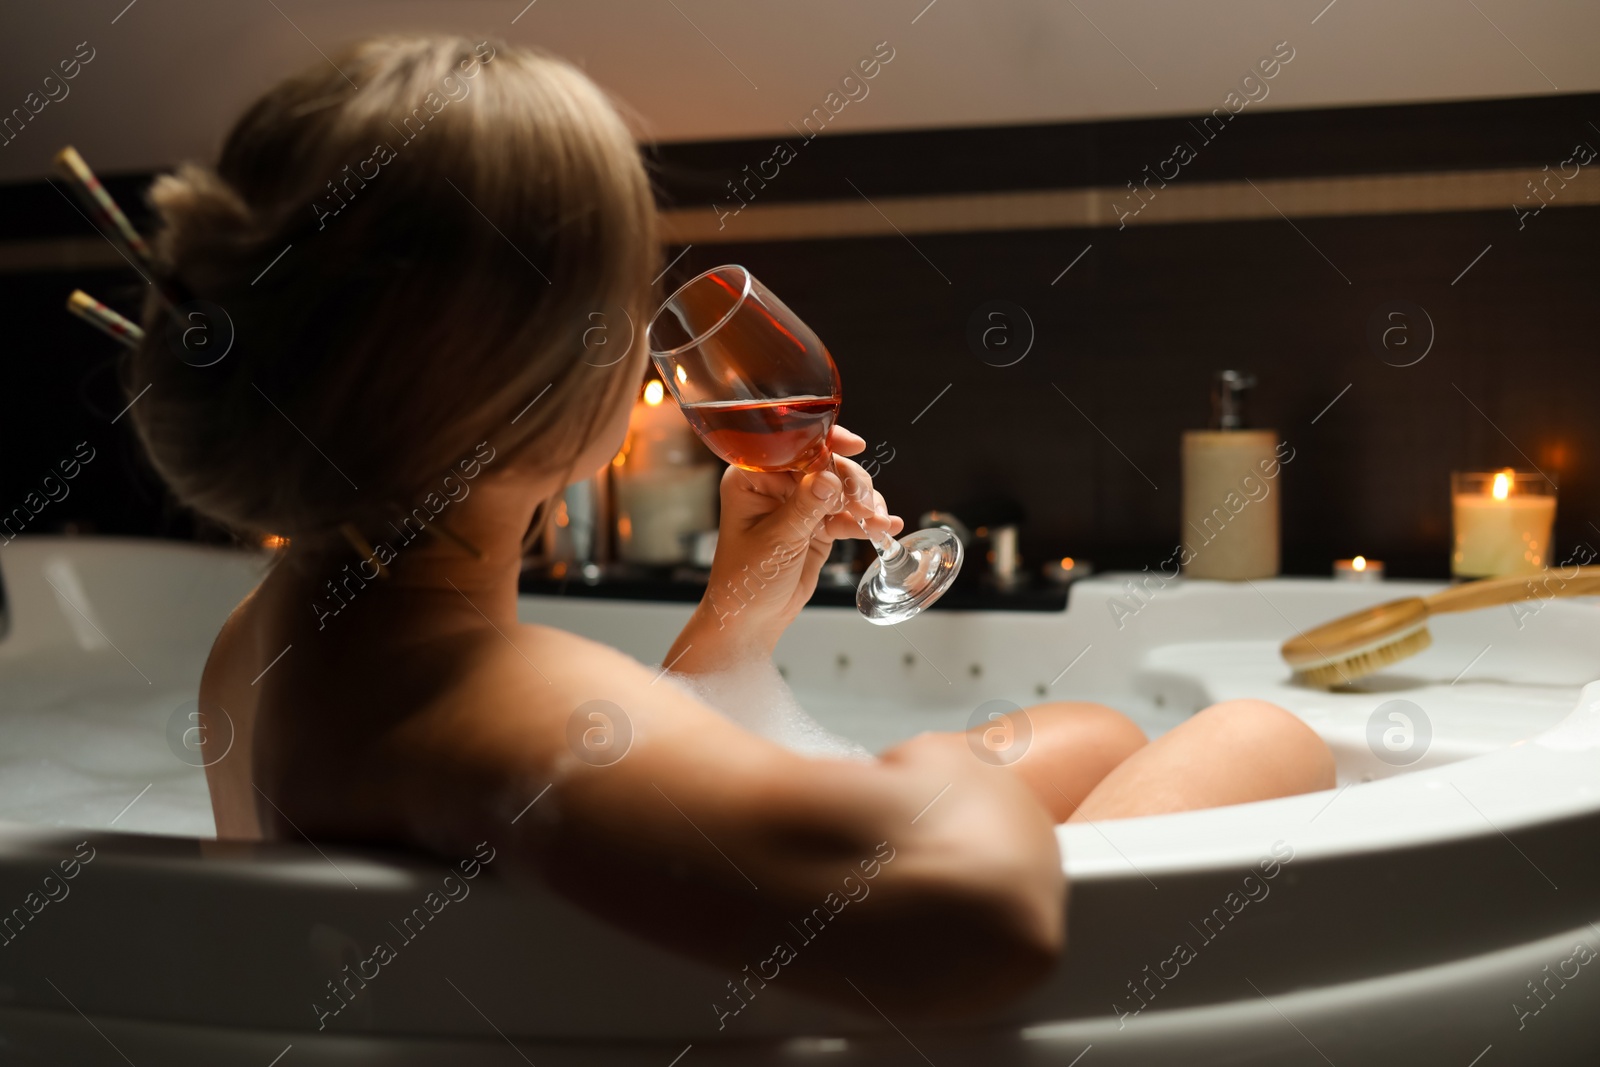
{"x":659,"y":511}
{"x":1503,"y":521}
{"x":658,"y":434}
{"x":666,"y":487}
{"x":1360,"y":569}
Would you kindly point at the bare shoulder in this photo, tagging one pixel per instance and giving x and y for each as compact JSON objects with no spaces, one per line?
{"x":539,"y":688}
{"x":559,"y":657}
{"x":225,"y":724}
{"x":233,"y":633}
{"x":507,"y":712}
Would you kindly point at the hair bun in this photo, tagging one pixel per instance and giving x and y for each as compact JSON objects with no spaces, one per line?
{"x":386,"y":348}
{"x":205,"y":222}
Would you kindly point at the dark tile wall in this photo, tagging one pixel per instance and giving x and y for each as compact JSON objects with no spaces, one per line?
{"x":1132,"y":333}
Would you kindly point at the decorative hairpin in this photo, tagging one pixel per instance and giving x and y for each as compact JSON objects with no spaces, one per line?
{"x":104,"y":319}
{"x":109,"y":219}
{"x":103,"y":210}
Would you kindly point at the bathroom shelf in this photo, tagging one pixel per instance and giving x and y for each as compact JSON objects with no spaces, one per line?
{"x":680,"y":587}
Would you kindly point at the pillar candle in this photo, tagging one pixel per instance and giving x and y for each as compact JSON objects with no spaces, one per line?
{"x":1503,"y":522}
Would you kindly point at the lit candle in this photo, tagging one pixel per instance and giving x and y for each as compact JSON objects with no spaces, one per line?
{"x":1502,"y":522}
{"x":1067,"y":569}
{"x":1360,"y":569}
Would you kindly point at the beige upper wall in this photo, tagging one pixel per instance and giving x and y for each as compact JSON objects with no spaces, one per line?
{"x":169,"y":75}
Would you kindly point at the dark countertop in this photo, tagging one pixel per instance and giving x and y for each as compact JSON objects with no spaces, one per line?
{"x":686,"y":585}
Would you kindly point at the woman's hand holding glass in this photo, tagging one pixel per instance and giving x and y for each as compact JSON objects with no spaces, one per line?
{"x":776,"y":530}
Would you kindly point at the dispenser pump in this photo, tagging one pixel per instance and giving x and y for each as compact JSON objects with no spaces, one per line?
{"x":1227,"y":398}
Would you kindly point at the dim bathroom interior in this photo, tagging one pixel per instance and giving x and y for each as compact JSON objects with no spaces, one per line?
{"x":699,"y":533}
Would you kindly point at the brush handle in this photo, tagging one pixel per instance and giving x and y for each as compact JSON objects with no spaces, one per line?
{"x":1469,"y":596}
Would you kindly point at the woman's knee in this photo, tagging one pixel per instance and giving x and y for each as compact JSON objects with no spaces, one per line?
{"x":1258,"y":726}
{"x":1093,"y":737}
{"x":1082,"y":722}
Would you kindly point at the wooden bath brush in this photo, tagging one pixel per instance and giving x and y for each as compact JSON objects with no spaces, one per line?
{"x":1355,"y":646}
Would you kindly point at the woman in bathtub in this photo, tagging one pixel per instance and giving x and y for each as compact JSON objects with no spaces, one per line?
{"x":409,"y":270}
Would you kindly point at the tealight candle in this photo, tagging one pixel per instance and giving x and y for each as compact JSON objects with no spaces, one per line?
{"x":1067,"y":569}
{"x":1360,"y":569}
{"x":1502,"y":522}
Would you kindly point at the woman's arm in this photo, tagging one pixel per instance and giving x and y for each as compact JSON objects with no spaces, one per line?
{"x":929,"y":879}
{"x":730,"y":864}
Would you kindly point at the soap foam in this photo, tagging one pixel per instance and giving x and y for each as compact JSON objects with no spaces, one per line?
{"x":755,"y":696}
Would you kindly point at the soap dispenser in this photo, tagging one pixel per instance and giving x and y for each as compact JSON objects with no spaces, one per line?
{"x":1230,"y":490}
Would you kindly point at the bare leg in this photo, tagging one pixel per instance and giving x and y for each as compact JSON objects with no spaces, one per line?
{"x":1230,"y":753}
{"x":1061,"y":751}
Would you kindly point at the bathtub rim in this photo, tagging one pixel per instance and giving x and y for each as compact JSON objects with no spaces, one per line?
{"x":1537,"y":781}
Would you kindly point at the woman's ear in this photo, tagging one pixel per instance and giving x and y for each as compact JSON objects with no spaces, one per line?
{"x":536,"y":528}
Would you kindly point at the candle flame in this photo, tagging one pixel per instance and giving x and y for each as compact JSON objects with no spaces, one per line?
{"x":682,"y":375}
{"x":1067,"y":563}
{"x":1502,"y":485}
{"x":274,"y":541}
{"x":654,"y":392}
{"x":1359,"y":563}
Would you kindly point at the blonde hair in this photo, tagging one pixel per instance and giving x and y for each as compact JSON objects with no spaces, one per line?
{"x":402,"y":268}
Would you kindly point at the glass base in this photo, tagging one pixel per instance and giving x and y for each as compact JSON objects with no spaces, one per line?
{"x":893,"y":594}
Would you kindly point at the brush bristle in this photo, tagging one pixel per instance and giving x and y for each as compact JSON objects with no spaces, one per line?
{"x":1344,"y":671}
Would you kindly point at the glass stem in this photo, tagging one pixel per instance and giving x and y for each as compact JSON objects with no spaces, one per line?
{"x":891,"y":553}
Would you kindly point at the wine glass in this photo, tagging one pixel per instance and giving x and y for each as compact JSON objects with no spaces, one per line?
{"x":762,"y":392}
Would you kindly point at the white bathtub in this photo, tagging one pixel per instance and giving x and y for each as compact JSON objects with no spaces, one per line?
{"x":1419,"y":904}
